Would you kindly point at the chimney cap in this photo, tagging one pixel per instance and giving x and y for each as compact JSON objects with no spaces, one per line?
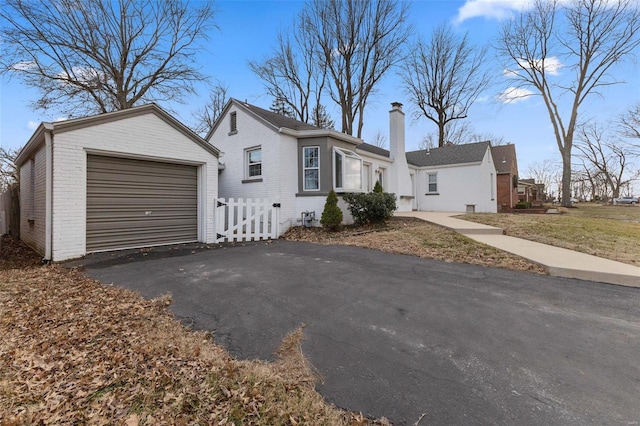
{"x":396,"y":105}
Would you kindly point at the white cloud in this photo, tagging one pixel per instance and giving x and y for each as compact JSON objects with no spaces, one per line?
{"x":23,"y":65}
{"x":514,"y":94}
{"x":552,"y":66}
{"x":60,"y":119}
{"x":492,"y":9}
{"x":32,"y":125}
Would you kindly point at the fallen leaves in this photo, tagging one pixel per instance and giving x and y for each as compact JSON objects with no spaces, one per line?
{"x":74,"y":351}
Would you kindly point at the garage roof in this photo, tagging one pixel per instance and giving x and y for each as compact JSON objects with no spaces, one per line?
{"x":67,"y":125}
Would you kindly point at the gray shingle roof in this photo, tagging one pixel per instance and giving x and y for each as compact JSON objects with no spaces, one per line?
{"x":506,"y":153}
{"x":452,"y":154}
{"x":373,"y":149}
{"x":278,"y":120}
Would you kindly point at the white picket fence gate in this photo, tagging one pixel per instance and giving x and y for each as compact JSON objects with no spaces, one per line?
{"x":246,"y":220}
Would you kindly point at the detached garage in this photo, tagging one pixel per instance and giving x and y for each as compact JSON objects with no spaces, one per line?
{"x":126,"y":179}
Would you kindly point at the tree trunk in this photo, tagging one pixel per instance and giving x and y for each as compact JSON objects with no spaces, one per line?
{"x":566,"y":176}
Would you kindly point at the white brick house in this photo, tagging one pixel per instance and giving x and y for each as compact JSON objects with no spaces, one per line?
{"x":269,"y":155}
{"x":125,"y":179}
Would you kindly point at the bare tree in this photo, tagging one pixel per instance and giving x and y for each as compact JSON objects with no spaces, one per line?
{"x":591,"y":36}
{"x":358,"y":41}
{"x":8,"y":169}
{"x":629,"y":124}
{"x":380,"y":140}
{"x":292,"y":73}
{"x":206,"y":116}
{"x":444,"y":77}
{"x":458,"y":132}
{"x":608,"y":156}
{"x":545,"y":172}
{"x":95,"y":56}
{"x":280,"y":106}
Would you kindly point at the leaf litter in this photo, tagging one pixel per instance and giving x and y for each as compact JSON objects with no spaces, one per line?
{"x":74,"y":351}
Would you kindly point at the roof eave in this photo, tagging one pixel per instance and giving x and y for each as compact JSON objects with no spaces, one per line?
{"x":321,"y":133}
{"x":33,"y":143}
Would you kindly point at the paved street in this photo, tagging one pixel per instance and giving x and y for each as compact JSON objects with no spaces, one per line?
{"x":398,"y":336}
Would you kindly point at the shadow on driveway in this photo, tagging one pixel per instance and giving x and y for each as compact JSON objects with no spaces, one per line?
{"x":398,"y":336}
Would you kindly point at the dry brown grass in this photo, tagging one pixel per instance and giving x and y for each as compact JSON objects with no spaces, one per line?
{"x":417,"y":238}
{"x":74,"y":351}
{"x":611,"y":232}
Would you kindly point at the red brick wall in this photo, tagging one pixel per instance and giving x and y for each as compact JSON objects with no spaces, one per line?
{"x":507,"y":194}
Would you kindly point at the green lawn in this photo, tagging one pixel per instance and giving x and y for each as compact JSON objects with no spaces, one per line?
{"x":612,"y":232}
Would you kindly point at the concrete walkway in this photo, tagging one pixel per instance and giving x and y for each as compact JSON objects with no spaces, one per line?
{"x":559,"y":262}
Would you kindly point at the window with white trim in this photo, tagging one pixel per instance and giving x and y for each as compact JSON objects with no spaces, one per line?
{"x":432,"y":183}
{"x":311,"y":168}
{"x":347,"y":170}
{"x":253,"y":161}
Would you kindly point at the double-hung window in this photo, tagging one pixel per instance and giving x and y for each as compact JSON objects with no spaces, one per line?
{"x":311,"y":168}
{"x":254,"y":163}
{"x":432,"y":183}
{"x":347,"y":170}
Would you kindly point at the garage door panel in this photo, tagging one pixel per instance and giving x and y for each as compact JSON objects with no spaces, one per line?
{"x":134,"y":203}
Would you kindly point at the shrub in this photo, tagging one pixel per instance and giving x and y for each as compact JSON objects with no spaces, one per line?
{"x":523,"y":205}
{"x":331,"y":215}
{"x":377,"y":187}
{"x":374,"y":207}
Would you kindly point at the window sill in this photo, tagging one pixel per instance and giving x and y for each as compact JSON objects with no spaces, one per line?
{"x":312,"y":194}
{"x":432,"y":193}
{"x":252,"y":180}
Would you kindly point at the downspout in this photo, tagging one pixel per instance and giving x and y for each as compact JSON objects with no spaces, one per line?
{"x":48,"y":228}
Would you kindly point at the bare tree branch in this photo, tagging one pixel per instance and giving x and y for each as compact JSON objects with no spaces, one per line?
{"x":97,"y":56}
{"x":359,"y":41}
{"x":8,"y":169}
{"x":597,"y":34}
{"x":444,"y":77}
{"x":206,"y":117}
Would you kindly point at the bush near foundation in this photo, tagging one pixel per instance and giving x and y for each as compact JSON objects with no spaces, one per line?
{"x":372,"y":207}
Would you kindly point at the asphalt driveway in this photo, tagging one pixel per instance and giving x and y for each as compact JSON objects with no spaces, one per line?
{"x":398,"y":336}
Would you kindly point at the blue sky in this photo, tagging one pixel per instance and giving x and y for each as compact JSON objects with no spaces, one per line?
{"x":248,"y":31}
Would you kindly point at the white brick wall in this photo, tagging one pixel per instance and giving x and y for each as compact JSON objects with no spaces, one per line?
{"x":279,"y":163}
{"x":32,"y":232}
{"x":144,"y":136}
{"x":459,"y":186}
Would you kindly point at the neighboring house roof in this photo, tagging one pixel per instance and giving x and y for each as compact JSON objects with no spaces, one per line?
{"x":373,"y":149}
{"x":449,"y":154}
{"x":67,"y":125}
{"x":504,"y":156}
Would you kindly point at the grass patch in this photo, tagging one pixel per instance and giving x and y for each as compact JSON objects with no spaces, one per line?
{"x":611,"y":232}
{"x":417,"y":238}
{"x":74,"y":351}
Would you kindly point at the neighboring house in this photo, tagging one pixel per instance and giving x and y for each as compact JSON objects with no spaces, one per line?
{"x":507,"y":176}
{"x":296,"y":164}
{"x":125,"y":179}
{"x":530,"y":191}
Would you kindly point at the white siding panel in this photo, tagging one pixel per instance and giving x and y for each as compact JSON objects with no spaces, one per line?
{"x":32,"y":232}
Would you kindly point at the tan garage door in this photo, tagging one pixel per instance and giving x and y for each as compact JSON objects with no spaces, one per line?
{"x":135,"y":203}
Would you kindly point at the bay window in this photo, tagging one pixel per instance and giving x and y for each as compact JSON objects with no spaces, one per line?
{"x":347,"y":170}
